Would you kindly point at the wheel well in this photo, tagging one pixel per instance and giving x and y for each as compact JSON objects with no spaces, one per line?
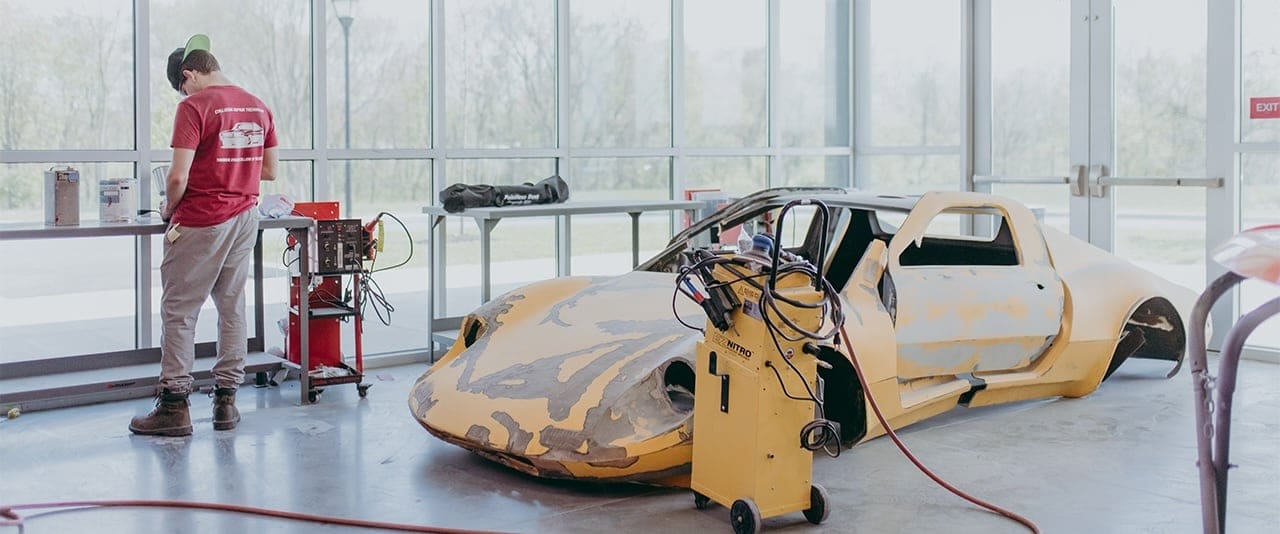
{"x":1153,"y":330}
{"x":842,"y":395}
{"x":678,"y":381}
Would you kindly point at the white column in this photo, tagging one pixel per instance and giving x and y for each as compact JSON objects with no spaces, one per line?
{"x":1222,"y":130}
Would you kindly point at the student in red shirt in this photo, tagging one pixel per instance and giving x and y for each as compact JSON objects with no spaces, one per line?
{"x":224,"y":143}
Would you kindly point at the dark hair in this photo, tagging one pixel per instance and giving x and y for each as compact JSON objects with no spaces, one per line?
{"x":199,"y":61}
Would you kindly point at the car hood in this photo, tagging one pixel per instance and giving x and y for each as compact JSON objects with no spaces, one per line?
{"x":566,"y":369}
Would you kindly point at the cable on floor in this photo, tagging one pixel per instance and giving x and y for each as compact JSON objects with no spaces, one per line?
{"x":920,"y":465}
{"x":12,"y":518}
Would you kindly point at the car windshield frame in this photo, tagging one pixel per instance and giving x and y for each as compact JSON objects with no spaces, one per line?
{"x":753,"y":206}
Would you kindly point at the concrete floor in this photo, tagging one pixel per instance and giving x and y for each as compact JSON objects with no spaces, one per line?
{"x":1120,"y":460}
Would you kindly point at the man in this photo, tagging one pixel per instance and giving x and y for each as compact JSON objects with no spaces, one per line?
{"x":224,"y":142}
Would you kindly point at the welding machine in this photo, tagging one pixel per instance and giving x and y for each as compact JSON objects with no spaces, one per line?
{"x":337,"y":248}
{"x":325,"y":339}
{"x":757,"y":386}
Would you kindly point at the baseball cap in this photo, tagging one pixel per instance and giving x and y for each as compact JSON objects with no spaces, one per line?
{"x":198,"y":41}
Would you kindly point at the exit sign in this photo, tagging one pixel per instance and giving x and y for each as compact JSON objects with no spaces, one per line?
{"x":1264,"y":108}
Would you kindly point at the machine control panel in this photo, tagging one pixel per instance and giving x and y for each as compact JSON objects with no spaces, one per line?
{"x":339,"y":246}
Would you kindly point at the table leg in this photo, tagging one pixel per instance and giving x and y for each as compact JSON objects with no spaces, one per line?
{"x":435,"y":279}
{"x":635,"y":238}
{"x":564,"y":247}
{"x":486,"y":230}
{"x":142,"y":337}
{"x":258,"y":342}
{"x":304,"y":318}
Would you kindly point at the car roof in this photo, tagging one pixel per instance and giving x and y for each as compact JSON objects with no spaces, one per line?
{"x":856,"y":199}
{"x":772,"y":198}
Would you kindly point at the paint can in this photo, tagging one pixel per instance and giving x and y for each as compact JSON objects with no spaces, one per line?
{"x":117,"y":200}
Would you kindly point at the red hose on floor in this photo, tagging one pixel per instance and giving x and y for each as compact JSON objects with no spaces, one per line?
{"x":866,"y":388}
{"x":13,"y":519}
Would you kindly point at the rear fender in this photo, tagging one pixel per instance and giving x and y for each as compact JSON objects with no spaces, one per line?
{"x":1153,"y":331}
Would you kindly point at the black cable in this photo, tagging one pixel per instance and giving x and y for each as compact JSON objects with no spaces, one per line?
{"x":774,"y":368}
{"x":682,"y":278}
{"x":677,"y":314}
{"x":813,"y":397}
{"x":740,"y":278}
{"x":829,"y":433}
{"x":284,"y":258}
{"x":408,"y":235}
{"x":371,"y":292}
{"x":831,"y":309}
{"x":821,"y":433}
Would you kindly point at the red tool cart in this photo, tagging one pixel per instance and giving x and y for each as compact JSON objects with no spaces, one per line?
{"x":337,"y":251}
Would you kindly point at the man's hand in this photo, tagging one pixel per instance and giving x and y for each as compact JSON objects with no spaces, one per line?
{"x":165,"y":212}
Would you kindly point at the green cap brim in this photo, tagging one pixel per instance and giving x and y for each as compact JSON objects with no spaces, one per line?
{"x":198,"y":41}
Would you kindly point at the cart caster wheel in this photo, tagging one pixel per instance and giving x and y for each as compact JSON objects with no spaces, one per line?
{"x":363,"y":389}
{"x":818,"y":510}
{"x":744,"y":516}
{"x":314,"y":395}
{"x":700,"y":501}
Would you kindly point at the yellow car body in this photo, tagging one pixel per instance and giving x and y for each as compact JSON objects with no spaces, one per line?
{"x":591,"y":378}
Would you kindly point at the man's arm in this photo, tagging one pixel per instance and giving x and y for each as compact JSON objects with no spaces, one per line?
{"x":269,"y":159}
{"x":176,"y":182}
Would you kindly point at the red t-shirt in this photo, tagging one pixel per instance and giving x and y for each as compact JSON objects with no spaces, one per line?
{"x":229,"y":129}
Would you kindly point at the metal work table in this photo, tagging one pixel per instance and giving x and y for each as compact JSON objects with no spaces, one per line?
{"x":487,"y":218}
{"x":68,"y":380}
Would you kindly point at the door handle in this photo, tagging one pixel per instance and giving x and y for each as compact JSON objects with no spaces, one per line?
{"x":1097,"y":172}
{"x":1079,"y":180}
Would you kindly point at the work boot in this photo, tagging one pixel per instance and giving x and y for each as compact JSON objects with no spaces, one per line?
{"x":225,"y":414}
{"x":171,"y":417}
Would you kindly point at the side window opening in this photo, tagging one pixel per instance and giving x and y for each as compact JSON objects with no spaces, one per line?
{"x":944,"y":243}
{"x":859,"y":231}
{"x":797,"y":234}
{"x":797,"y":226}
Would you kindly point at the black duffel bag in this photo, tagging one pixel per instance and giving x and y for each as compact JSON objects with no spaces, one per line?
{"x":458,"y":197}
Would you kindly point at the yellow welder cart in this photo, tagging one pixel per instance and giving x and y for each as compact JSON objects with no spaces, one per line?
{"x":748,"y":452}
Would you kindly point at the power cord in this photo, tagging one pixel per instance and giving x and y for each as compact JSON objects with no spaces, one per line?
{"x":407,"y":235}
{"x":820,"y":434}
{"x":371,"y":293}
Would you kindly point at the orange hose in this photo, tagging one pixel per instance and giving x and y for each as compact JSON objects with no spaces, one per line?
{"x":866,"y":388}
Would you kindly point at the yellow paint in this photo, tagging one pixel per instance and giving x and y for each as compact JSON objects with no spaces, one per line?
{"x":572,"y":365}
{"x":592,"y":397}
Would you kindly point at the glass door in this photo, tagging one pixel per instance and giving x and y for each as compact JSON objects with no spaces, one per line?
{"x":1030,"y":99}
{"x":1097,"y":115}
{"x":1148,"y":143}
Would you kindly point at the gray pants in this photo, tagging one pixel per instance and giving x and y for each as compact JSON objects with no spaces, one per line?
{"x":199,"y":263}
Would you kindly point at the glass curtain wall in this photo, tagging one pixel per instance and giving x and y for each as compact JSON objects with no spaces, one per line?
{"x":1260,"y":161}
{"x":909,"y":102}
{"x":381,"y":103}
